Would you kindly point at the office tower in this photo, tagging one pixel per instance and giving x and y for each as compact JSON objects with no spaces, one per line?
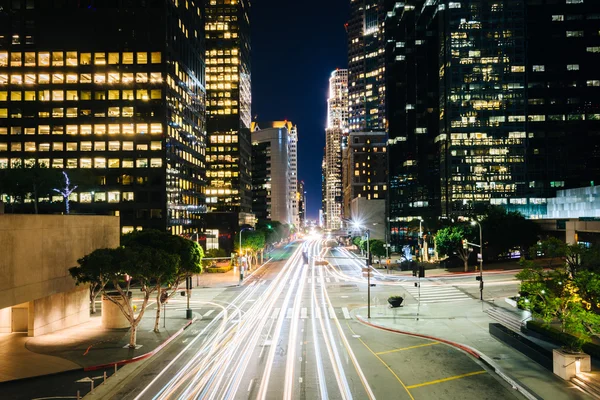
{"x":337,"y":127}
{"x":293,"y":154}
{"x":498,"y":102}
{"x":114,"y":90}
{"x":272,"y":171}
{"x":301,"y":205}
{"x":228,"y":106}
{"x":323,"y":210}
{"x":366,"y":183}
{"x":366,"y":66}
{"x":563,"y":95}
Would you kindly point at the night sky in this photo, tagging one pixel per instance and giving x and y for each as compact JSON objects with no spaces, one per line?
{"x":295,"y":46}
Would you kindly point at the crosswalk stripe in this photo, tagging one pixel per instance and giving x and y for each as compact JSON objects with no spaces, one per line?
{"x":309,"y":281}
{"x":318,"y":310}
{"x":275,"y":313}
{"x":331,"y":312}
{"x":346,"y":313}
{"x":328,"y":280}
{"x":303,"y":313}
{"x":337,"y":280}
{"x":444,"y":300}
{"x":207,"y":314}
{"x":290,"y":311}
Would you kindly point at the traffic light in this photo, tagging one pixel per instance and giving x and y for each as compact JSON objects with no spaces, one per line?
{"x":269,"y":226}
{"x":465,"y":244}
{"x":421,"y":271}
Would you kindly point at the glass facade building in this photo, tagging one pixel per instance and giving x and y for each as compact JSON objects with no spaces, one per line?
{"x":127,"y":106}
{"x":228,"y":86}
{"x":366,"y":66}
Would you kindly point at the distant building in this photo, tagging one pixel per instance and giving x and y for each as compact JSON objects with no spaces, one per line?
{"x":301,"y":197}
{"x":116,"y":90}
{"x":337,"y":127}
{"x":273,"y":172}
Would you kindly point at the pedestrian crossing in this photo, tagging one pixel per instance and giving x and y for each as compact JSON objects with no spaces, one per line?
{"x":436,"y":294}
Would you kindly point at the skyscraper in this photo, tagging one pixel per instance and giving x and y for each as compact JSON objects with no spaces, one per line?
{"x":228,"y":106}
{"x":126,"y":105}
{"x":366,"y":66}
{"x":337,"y":126}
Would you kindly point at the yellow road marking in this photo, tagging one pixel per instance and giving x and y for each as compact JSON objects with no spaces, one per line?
{"x":387,"y":366}
{"x":407,"y":348}
{"x":446,"y":379}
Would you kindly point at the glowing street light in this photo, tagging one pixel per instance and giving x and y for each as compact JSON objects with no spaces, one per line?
{"x":480,"y":258}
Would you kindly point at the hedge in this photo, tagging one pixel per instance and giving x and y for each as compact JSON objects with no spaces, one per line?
{"x":212,"y":270}
{"x":562,"y":338}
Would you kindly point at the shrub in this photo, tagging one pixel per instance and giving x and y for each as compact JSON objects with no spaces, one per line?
{"x":212,"y":270}
{"x":562,"y":338}
{"x":394,"y":298}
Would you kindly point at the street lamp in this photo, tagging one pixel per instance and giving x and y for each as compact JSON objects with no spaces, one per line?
{"x":241,"y":266}
{"x":357,"y":225}
{"x":480,"y":258}
{"x":421,"y":238}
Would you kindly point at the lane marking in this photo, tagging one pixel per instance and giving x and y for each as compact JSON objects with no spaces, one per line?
{"x":303,"y":313}
{"x":379,"y":358}
{"x":328,"y":280}
{"x":275,"y":313}
{"x":331,"y":312}
{"x":446,"y":379}
{"x":207,"y":314}
{"x":290,"y":311}
{"x":407,"y":348}
{"x":346,"y":313}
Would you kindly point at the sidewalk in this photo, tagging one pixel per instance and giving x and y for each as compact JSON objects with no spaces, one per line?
{"x":89,"y":344}
{"x":467,"y":324}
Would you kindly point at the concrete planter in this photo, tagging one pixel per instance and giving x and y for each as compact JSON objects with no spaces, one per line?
{"x":567,"y":365}
{"x":396,"y":302}
{"x":112,"y":317}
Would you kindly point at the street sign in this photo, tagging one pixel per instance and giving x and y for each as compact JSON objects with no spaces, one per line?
{"x":479,"y":257}
{"x":366,"y":269}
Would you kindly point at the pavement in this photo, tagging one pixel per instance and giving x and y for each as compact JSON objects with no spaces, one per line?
{"x":466,"y":325}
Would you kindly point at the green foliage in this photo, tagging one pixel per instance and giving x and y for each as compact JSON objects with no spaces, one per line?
{"x":562,"y":338}
{"x":356,"y":240}
{"x":561,"y":295}
{"x":252,"y":240}
{"x":377,"y":247}
{"x":223,"y":269}
{"x":448,"y":241}
{"x":392,"y":298}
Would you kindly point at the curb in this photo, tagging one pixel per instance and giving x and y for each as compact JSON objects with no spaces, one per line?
{"x":143,"y":356}
{"x":524,"y":390}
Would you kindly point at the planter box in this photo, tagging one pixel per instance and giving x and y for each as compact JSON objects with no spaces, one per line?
{"x":395,"y":303}
{"x":520,"y":343}
{"x":567,"y":365}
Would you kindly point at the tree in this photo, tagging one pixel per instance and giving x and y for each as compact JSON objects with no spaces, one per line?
{"x":32,"y":181}
{"x":121,"y":266}
{"x":377,"y":248}
{"x":188,"y":252}
{"x":252,"y":242}
{"x":356,"y":241}
{"x":95,"y":269}
{"x":448,"y":241}
{"x":65,"y":191}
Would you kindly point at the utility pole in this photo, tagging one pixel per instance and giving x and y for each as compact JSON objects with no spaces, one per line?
{"x":368,"y":276}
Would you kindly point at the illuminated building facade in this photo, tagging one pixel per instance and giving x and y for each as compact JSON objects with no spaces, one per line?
{"x":301,"y":204}
{"x":228,"y":154}
{"x":497,"y":101}
{"x":366,"y":66}
{"x":272,"y":172}
{"x":126,"y":105}
{"x":337,"y":127}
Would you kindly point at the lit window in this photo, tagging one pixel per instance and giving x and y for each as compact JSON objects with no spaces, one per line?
{"x":85,"y":163}
{"x":99,"y":78}
{"x":128,"y":146}
{"x":100,"y":58}
{"x":85,"y":95}
{"x":155,"y":77}
{"x":16,"y":146}
{"x":58,"y":163}
{"x":99,"y":162}
{"x":72,"y":129}
{"x":155,"y":145}
{"x":58,"y":95}
{"x":3,"y":163}
{"x":156,"y":129}
{"x":142,"y":128}
{"x":15,"y":96}
{"x":127,"y":129}
{"x":127,"y":58}
{"x":3,"y":130}
{"x":85,"y":146}
{"x":71,"y":58}
{"x":99,"y":129}
{"x":155,"y":162}
{"x":29,"y":131}
{"x":72,"y":95}
{"x":30,"y":146}
{"x":85,"y":197}
{"x":127,"y":94}
{"x":113,"y":77}
{"x":113,"y":58}
{"x":58,"y":59}
{"x":57,"y":146}
{"x":99,"y":196}
{"x":127,"y":77}
{"x":99,"y":146}
{"x":539,"y":68}
{"x":115,"y":162}
{"x":15,"y":59}
{"x":58,"y":78}
{"x":128,"y":111}
{"x":141,"y":94}
{"x":142,"y":58}
{"x":3,"y":95}
{"x":127,"y":196}
{"x":85,"y":130}
{"x":72,"y":146}
{"x":44,"y":130}
{"x":3,"y":59}
{"x":114,"y":111}
{"x":114,"y":197}
{"x":44,"y":146}
{"x":16,"y":79}
{"x":30,"y":79}
{"x":85,"y":58}
{"x":574,"y":33}
{"x":141,"y":163}
{"x":114,"y":146}
{"x":141,"y":147}
{"x":141,"y":77}
{"x":86,"y":78}
{"x":71,"y":163}
{"x":156,"y":94}
{"x":113,"y":94}
{"x":572,"y":67}
{"x":155,"y":57}
{"x":58,"y":130}
{"x":3,"y":79}
{"x":114,"y":129}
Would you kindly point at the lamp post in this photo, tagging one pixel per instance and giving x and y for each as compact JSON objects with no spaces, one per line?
{"x":480,"y":258}
{"x":420,"y":239}
{"x":368,"y":232}
{"x":241,"y":266}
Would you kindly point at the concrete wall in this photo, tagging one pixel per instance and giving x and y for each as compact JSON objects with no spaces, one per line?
{"x":37,"y":251}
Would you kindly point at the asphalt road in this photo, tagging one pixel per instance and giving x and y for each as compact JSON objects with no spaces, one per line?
{"x":288,"y":333}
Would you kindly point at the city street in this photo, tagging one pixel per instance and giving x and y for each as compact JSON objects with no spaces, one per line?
{"x":289,"y":333}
